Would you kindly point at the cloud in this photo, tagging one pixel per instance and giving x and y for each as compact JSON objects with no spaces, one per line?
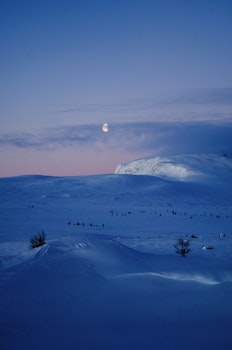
{"x":183,"y":105}
{"x":52,"y":138}
{"x":175,"y":138}
{"x":147,"y":138}
{"x":220,"y":96}
{"x":95,"y":107}
{"x":19,"y":140}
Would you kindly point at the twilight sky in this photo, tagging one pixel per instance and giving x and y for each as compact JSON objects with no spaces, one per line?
{"x":158,"y":71}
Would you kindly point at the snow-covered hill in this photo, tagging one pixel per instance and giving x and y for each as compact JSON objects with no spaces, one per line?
{"x":108,"y":276}
{"x":186,"y":167}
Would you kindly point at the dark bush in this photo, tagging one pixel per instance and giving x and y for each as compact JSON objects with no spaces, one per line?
{"x":38,"y":240}
{"x":182,"y":246}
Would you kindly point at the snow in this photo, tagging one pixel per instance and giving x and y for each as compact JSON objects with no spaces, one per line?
{"x":182,"y":167}
{"x":108,"y":276}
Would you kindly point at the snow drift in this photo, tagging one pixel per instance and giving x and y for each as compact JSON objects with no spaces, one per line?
{"x":188,"y":167}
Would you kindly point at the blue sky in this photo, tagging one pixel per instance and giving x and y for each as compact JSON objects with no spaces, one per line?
{"x":140,"y":65}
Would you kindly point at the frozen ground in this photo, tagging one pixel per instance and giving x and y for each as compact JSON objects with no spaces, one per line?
{"x":109,"y":277}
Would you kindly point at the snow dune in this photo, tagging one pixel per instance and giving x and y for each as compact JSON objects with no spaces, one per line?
{"x":108,"y":276}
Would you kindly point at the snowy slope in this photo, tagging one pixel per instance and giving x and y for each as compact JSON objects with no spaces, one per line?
{"x":189,"y":167}
{"x":108,"y":276}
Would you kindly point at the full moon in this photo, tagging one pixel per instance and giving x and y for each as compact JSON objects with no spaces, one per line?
{"x":105,"y":127}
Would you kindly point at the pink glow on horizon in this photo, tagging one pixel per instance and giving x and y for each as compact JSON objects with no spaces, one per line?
{"x":64,"y":162}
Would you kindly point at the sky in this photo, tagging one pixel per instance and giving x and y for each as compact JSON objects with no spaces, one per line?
{"x":159,"y":72}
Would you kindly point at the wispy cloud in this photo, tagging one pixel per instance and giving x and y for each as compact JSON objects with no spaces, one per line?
{"x":19,"y":140}
{"x":220,"y":96}
{"x":183,"y":105}
{"x":148,"y":138}
{"x":52,"y":138}
{"x":131,"y":105}
{"x":171,"y":138}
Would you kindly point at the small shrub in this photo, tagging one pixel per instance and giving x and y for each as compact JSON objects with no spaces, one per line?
{"x":38,"y":240}
{"x":182,"y":246}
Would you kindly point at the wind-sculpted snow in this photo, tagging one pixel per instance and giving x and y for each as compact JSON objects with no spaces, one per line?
{"x":108,"y":276}
{"x":15,"y":254}
{"x":182,"y":277}
{"x":182,"y":167}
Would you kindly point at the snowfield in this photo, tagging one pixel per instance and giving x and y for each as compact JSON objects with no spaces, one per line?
{"x":108,"y":276}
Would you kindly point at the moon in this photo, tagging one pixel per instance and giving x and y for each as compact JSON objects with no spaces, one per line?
{"x":105,"y":127}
